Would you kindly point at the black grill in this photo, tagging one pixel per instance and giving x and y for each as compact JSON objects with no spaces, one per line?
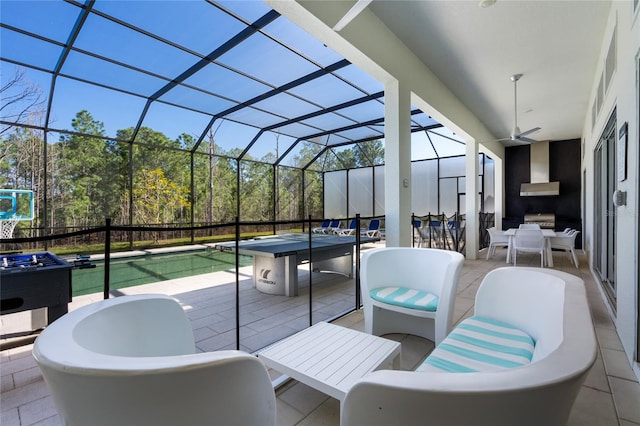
{"x":545,"y":220}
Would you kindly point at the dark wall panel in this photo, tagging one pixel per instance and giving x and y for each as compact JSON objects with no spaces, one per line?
{"x":564,"y":167}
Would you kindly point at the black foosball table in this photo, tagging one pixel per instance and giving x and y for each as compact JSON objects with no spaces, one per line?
{"x":35,"y":280}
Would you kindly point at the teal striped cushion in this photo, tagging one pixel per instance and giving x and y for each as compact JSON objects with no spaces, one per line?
{"x":480,"y":344}
{"x":406,"y":297}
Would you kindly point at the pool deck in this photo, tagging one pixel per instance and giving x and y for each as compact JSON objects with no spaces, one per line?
{"x":609,"y":396}
{"x":209,"y":300}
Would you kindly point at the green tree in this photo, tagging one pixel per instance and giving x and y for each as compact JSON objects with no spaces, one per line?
{"x":369,"y":153}
{"x":313,"y":192}
{"x":22,"y":165}
{"x":344,"y":159}
{"x":157,"y":198}
{"x":256,"y":190}
{"x":152,"y":150}
{"x":21,"y":161}
{"x":88,"y":171}
{"x":214,"y":183}
{"x":313,"y":201}
{"x":289,"y":195}
{"x":226,"y":191}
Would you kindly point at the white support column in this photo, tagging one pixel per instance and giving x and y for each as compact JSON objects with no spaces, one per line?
{"x":397,"y":159}
{"x":471,"y":172}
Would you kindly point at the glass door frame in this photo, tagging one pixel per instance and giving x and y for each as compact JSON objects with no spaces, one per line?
{"x":604,"y":210}
{"x":637,"y":280}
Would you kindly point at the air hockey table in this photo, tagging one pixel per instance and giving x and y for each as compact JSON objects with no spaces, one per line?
{"x":276,"y":258}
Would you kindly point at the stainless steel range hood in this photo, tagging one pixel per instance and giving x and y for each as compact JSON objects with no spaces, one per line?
{"x":539,"y":189}
{"x":539,"y":185}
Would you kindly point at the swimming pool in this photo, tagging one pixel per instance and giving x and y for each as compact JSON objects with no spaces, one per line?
{"x":138,"y":270}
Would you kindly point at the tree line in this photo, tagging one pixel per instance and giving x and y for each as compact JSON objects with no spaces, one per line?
{"x":157,"y":180}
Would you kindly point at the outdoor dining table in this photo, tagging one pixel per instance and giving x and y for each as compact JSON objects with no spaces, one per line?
{"x":546,"y":233}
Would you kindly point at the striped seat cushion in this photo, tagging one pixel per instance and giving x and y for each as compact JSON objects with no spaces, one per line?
{"x":480,"y":344}
{"x":406,"y":297}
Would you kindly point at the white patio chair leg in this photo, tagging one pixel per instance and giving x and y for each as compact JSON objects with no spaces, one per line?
{"x":575,"y":258}
{"x":568,"y":253}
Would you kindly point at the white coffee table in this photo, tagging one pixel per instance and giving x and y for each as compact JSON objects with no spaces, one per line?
{"x":331,"y":358}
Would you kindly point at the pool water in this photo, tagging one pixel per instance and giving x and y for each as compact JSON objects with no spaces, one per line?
{"x":132,"y":271}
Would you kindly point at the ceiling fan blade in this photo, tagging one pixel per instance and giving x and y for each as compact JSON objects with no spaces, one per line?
{"x":525,"y":139}
{"x":535,"y":129}
{"x":496,"y":140}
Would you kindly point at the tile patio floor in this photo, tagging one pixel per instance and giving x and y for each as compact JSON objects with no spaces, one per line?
{"x":610,"y":395}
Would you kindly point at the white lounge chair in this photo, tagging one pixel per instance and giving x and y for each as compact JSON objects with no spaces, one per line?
{"x":409,"y":290}
{"x":351,"y":230}
{"x":333,"y":227}
{"x":323,"y":227}
{"x":373,"y":230}
{"x":132,"y":361}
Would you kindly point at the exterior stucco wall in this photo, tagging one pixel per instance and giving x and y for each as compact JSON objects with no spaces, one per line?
{"x":622,"y":96}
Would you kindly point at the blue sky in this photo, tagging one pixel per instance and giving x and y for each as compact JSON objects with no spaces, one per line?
{"x":198,"y":28}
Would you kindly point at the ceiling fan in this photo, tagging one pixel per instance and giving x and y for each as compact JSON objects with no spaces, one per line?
{"x":516,"y":134}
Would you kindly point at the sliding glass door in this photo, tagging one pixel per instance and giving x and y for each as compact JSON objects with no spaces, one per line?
{"x":605,"y":223}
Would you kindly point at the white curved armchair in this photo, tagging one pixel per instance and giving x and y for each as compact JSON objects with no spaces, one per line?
{"x":551,"y":307}
{"x":131,"y":361}
{"x":419,"y":271}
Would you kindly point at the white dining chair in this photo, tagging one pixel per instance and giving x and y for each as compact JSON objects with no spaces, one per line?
{"x":496,"y":239}
{"x":566,"y":242}
{"x":529,"y":241}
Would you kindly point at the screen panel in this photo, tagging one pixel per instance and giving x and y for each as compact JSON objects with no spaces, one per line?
{"x":424,"y":187}
{"x":379,"y":190}
{"x":360,"y":192}
{"x":448,"y":196}
{"x":452,"y":166}
{"x":335,"y":194}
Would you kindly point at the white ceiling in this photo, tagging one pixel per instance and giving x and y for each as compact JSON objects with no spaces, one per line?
{"x":474,"y":52}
